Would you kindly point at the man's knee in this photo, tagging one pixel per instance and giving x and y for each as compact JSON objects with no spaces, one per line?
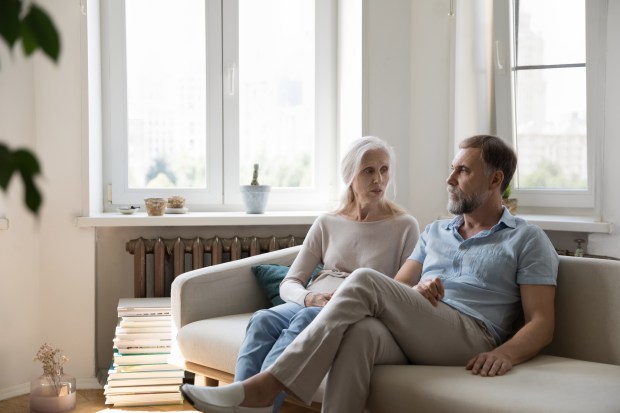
{"x":371,"y":338}
{"x":363,"y":277}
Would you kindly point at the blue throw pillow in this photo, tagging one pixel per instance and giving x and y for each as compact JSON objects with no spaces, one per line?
{"x":270,"y":276}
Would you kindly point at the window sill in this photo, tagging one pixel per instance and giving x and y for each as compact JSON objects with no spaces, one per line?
{"x":198,"y":219}
{"x":141,"y":219}
{"x":568,"y":223}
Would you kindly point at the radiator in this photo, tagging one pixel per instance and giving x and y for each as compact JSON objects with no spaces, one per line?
{"x":174,"y":256}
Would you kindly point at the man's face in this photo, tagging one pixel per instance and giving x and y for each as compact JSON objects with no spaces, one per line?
{"x":468,"y":183}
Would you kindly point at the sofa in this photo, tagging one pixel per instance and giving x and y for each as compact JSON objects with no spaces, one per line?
{"x":578,"y":372}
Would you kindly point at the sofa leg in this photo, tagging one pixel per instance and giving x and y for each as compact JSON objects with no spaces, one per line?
{"x":200,"y":380}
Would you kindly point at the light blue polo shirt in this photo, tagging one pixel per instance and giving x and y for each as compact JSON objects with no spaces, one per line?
{"x":481,"y":275}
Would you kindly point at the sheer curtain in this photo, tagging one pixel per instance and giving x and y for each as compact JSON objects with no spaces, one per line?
{"x":473,"y":107}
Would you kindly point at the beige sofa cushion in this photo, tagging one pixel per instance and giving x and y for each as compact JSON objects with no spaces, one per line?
{"x":214,"y":342}
{"x":544,"y":384}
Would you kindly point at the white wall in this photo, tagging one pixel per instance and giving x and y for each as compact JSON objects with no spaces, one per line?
{"x":67,"y":285}
{"x":46,"y":296}
{"x":19,"y":244}
{"x":429,"y":145}
{"x":49,"y":298}
{"x":406,"y":59}
{"x":610,"y":244}
{"x":386,"y":63}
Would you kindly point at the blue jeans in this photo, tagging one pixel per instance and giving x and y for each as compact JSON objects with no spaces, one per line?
{"x":269,"y":332}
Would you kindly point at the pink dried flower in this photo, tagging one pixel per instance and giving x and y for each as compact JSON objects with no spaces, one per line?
{"x":52,"y":359}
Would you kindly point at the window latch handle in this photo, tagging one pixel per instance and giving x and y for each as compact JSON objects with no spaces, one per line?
{"x":231,"y":78}
{"x":499,"y":61}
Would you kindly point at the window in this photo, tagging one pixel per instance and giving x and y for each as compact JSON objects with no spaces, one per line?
{"x":200,"y":91}
{"x":546,"y":98}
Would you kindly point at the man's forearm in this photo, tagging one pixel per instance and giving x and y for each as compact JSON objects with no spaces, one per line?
{"x":528,"y":341}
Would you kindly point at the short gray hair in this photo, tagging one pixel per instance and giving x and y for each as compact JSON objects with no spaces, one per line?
{"x":496,"y":155}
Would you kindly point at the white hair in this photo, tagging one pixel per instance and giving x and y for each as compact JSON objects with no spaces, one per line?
{"x":351,"y":165}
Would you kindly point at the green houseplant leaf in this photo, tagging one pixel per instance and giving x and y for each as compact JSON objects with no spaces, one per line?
{"x":36,"y":30}
{"x":9,"y":21}
{"x":507,"y":192}
{"x":25,"y":163}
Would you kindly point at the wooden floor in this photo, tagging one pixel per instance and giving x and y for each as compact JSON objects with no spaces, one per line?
{"x":93,"y":401}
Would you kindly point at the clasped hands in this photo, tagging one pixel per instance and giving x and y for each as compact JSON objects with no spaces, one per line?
{"x":317,"y":299}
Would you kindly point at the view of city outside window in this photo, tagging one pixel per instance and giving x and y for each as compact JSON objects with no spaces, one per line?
{"x":277,"y":91}
{"x":550,"y":92}
{"x":166,"y":93}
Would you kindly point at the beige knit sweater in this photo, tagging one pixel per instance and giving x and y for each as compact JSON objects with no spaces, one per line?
{"x":343,"y":245}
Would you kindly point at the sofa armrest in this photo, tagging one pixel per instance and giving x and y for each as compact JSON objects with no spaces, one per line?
{"x":587,"y":310}
{"x":223,"y":289}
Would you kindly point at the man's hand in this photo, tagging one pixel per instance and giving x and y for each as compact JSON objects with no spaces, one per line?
{"x":432,"y":290}
{"x":489,"y":364}
{"x":317,"y":299}
{"x":536,"y":333}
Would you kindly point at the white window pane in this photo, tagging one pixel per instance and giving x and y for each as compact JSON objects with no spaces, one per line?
{"x":551,"y":128}
{"x":551,"y":32}
{"x":277,"y":91}
{"x":166,"y":93}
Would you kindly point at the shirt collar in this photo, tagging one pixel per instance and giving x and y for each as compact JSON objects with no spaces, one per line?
{"x":506,"y":220}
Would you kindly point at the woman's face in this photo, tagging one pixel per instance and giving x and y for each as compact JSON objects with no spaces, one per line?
{"x":372,"y":179}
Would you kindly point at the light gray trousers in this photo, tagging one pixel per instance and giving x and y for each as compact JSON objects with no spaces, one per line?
{"x":373,"y":319}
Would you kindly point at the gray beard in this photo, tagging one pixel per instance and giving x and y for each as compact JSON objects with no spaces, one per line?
{"x":463,"y":204}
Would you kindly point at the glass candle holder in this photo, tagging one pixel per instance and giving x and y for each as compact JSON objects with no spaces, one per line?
{"x":52,"y":393}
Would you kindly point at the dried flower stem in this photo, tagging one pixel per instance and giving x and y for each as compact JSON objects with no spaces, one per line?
{"x":52,"y":360}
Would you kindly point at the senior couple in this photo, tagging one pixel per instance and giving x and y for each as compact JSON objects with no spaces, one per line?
{"x":454,"y":300}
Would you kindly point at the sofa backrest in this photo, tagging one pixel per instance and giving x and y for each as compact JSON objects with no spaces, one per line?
{"x":587,"y":310}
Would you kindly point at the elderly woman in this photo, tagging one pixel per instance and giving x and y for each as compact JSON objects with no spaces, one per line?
{"x":367,"y":230}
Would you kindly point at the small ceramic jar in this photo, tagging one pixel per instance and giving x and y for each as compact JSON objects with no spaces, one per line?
{"x":155,"y":206}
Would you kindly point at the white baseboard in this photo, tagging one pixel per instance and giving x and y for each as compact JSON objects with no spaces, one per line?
{"x":21,"y":389}
{"x":14,"y":391}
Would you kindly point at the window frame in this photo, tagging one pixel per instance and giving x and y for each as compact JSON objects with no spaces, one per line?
{"x":222,"y":116}
{"x":325,"y":172}
{"x":504,"y":63}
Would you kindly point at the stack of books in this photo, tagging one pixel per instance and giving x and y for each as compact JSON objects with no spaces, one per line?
{"x":140,"y":374}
